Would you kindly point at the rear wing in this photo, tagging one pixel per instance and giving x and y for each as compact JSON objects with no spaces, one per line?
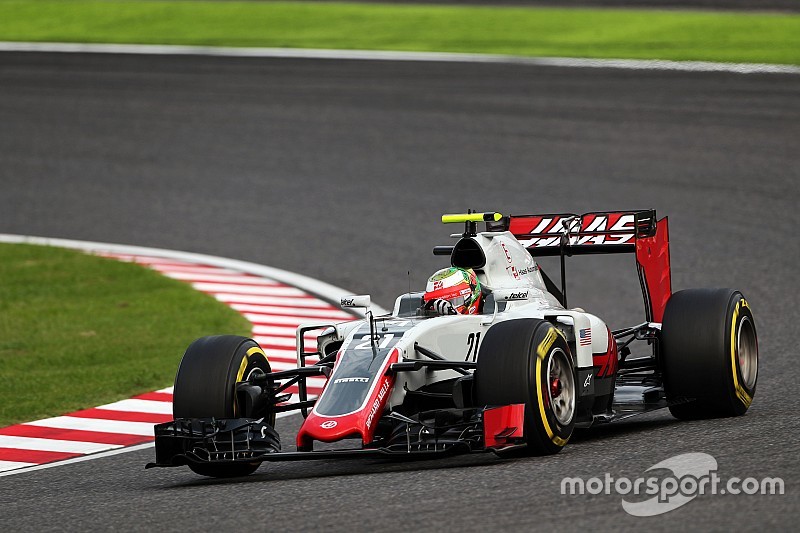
{"x":606,"y":232}
{"x":590,"y":233}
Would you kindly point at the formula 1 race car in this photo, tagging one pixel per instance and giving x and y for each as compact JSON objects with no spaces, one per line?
{"x":517,"y":375}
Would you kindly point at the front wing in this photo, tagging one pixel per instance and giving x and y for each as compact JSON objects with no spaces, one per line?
{"x":246,"y":440}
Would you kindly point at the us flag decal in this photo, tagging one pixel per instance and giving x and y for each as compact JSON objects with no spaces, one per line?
{"x":585,"y":337}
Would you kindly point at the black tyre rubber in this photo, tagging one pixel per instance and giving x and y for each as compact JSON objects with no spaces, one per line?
{"x":515,"y":365}
{"x":709,"y":352}
{"x":205,"y":386}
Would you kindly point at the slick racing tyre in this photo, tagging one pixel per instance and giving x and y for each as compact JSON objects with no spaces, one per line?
{"x":205,"y":386}
{"x":709,"y":353}
{"x":527,"y":361}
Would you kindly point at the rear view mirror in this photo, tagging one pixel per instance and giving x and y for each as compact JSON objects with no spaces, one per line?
{"x":355,"y":301}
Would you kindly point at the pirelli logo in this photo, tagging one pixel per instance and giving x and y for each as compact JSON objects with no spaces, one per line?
{"x":546,"y":343}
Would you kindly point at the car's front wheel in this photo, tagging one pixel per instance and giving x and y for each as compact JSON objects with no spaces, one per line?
{"x":205,"y":386}
{"x":527,"y":361}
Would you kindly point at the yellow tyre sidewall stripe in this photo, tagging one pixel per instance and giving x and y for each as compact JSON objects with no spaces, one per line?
{"x":246,"y":361}
{"x":243,"y":367}
{"x":541,"y":353}
{"x":741,"y":393}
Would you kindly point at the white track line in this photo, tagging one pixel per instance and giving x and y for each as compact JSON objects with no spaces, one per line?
{"x":139,"y":406}
{"x":121,"y":427}
{"x":288,"y":332}
{"x":232,"y":288}
{"x":55,"y":445}
{"x":286,"y":320}
{"x":379,"y":55}
{"x":201,"y":277}
{"x":80,"y":459}
{"x":289,"y":342}
{"x":227,"y":297}
{"x":267,"y":311}
{"x":13,"y":465}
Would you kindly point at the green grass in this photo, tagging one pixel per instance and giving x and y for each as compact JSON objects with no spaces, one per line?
{"x":78,"y":331}
{"x":604,"y":33}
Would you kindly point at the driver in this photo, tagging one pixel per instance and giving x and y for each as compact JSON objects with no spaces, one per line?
{"x":452,"y":291}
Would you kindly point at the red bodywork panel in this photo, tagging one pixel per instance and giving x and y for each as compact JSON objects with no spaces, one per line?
{"x":652,"y":259}
{"x":502,"y":426}
{"x":608,"y":361}
{"x":360,"y":423}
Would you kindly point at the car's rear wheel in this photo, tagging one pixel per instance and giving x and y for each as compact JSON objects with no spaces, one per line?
{"x":527,"y":361}
{"x":709,"y":353}
{"x":205,"y":386}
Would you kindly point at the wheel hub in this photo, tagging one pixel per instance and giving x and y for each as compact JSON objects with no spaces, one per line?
{"x":560,"y":388}
{"x":555,"y":388}
{"x":747,"y":352}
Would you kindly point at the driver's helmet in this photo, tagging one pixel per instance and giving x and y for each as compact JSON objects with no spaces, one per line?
{"x":455,"y":286}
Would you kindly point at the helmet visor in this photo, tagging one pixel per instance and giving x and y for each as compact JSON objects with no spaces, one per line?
{"x":458,"y":296}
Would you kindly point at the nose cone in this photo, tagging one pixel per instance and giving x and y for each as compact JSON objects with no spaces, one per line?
{"x":326,"y":423}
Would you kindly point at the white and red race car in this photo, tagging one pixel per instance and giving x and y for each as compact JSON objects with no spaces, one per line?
{"x":517,"y":377}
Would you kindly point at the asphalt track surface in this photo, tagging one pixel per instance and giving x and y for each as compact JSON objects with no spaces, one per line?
{"x":339,"y":170}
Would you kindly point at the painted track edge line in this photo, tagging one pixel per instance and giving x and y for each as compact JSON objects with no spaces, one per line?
{"x":389,"y":55}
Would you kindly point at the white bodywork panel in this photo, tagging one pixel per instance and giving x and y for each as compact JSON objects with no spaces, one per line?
{"x":508,"y":264}
{"x":509,"y":267}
